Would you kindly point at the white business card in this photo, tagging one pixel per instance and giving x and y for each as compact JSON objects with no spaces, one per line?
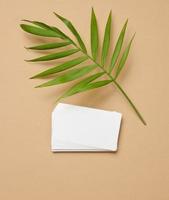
{"x":78,"y":128}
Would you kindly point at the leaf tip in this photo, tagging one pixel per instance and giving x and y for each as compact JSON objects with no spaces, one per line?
{"x":58,"y":99}
{"x":22,"y":26}
{"x":38,"y":86}
{"x":32,"y":77}
{"x":134,"y":35}
{"x":26,"y":20}
{"x":28,"y":60}
{"x":27,"y":48}
{"x":54,"y":13}
{"x":93,"y":12}
{"x":57,"y":15}
{"x":132,"y":38}
{"x":126,"y":22}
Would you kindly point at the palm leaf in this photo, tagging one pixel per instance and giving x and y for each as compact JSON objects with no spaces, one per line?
{"x":118,"y":47}
{"x":48,"y":46}
{"x":106,"y":41}
{"x":94,"y":35}
{"x":45,"y":30}
{"x":73,"y":30}
{"x":54,"y":56}
{"x":123,"y":58}
{"x":69,"y":76}
{"x":62,"y":67}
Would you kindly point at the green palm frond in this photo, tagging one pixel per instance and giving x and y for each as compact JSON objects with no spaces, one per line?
{"x":69,"y":73}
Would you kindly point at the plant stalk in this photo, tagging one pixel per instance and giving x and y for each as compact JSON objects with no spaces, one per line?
{"x":130,"y":102}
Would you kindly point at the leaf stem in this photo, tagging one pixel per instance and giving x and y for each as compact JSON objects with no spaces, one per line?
{"x":130,"y":102}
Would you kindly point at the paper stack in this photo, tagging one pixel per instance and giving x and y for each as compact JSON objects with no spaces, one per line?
{"x":77,"y":128}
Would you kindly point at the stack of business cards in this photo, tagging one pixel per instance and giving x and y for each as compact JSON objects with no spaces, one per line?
{"x":77,"y":128}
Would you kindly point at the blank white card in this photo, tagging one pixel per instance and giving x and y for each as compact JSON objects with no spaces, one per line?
{"x":77,"y":128}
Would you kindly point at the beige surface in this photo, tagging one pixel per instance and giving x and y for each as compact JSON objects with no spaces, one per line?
{"x":140,"y":169}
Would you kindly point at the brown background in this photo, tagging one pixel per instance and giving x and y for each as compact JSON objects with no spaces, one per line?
{"x":140,"y":169}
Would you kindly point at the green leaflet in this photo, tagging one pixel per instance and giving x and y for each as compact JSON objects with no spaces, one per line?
{"x":37,"y":23}
{"x":118,"y":47}
{"x":89,"y":87}
{"x":123,"y":58}
{"x":48,"y":46}
{"x":78,"y":87}
{"x":73,"y":30}
{"x":94,"y":35}
{"x":45,"y":26}
{"x":69,"y":76}
{"x":39,"y":31}
{"x":106,"y":41}
{"x":62,"y":67}
{"x":95,"y":85}
{"x":54,"y":56}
